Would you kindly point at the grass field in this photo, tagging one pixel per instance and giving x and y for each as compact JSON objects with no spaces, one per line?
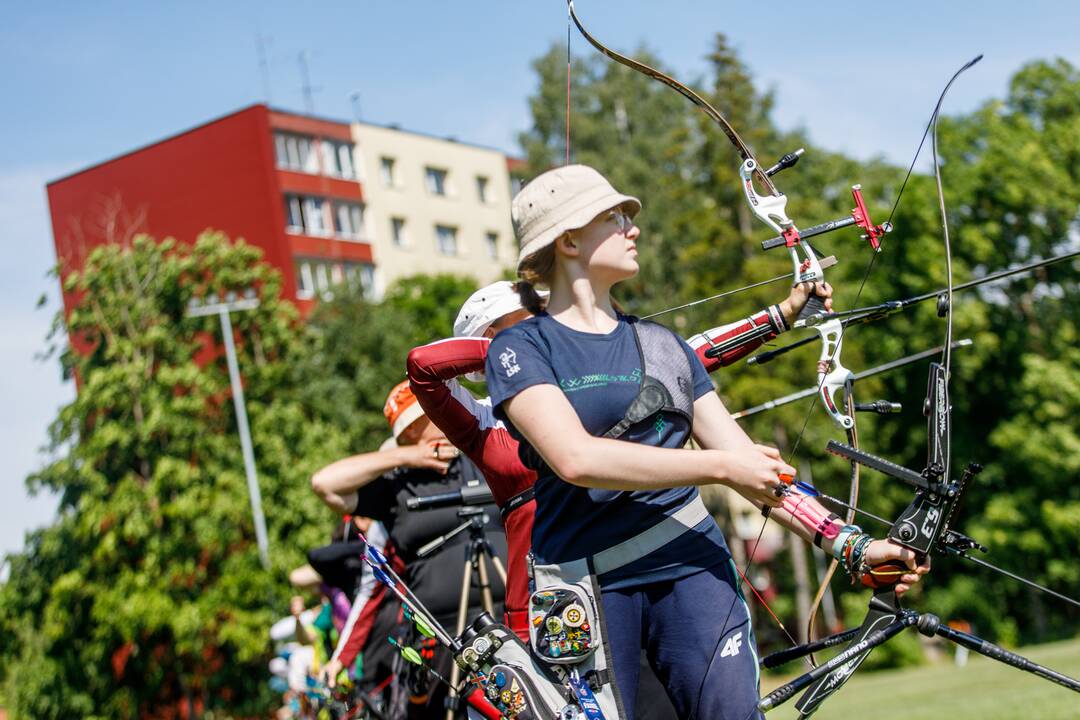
{"x":982,"y":690}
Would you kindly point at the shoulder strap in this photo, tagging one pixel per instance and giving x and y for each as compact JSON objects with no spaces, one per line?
{"x":517,"y":501}
{"x":666,"y":381}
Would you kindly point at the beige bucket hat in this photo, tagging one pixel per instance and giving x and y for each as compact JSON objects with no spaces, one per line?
{"x":566,"y":198}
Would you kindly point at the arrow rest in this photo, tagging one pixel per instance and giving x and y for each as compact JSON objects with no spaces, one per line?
{"x":942,"y":305}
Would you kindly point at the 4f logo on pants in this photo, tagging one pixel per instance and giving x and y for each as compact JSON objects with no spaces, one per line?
{"x":731,"y":647}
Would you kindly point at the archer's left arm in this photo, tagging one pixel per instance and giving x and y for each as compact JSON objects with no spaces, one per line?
{"x":810,"y":520}
{"x":739,"y":339}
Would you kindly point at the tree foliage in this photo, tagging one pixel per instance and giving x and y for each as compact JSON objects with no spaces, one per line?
{"x":356,"y":349}
{"x":146,"y":596}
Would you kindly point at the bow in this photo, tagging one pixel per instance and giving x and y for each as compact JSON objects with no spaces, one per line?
{"x":770,"y":206}
{"x":922,"y":524}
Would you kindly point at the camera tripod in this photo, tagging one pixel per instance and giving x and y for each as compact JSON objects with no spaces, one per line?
{"x":478,"y":547}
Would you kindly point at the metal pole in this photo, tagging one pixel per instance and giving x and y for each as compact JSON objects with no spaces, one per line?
{"x":245,"y":438}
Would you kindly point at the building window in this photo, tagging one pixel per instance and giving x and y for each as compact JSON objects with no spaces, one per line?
{"x":360,"y":276}
{"x":349,"y":220}
{"x":294,"y":214}
{"x":314,"y":217}
{"x":294,"y":152}
{"x":436,"y":180}
{"x":307,"y":215}
{"x":387,"y":171}
{"x":305,"y":281}
{"x":316,"y":276}
{"x":338,"y":159}
{"x":482,"y":189}
{"x":446,"y":239}
{"x":492,"y":245}
{"x":397,"y":231}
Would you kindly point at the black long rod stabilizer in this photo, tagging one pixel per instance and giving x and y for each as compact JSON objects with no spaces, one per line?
{"x":990,"y":650}
{"x":783,"y":657}
{"x":877,"y":312}
{"x":927,"y":624}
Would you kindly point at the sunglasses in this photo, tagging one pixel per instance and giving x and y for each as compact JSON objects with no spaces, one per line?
{"x":621,"y":219}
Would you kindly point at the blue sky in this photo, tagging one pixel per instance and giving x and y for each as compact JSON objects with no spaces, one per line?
{"x":86,"y":81}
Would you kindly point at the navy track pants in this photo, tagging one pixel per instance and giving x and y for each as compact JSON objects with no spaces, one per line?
{"x":697,"y":636}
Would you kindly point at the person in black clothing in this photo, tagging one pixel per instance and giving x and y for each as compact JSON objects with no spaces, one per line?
{"x":419,"y":462}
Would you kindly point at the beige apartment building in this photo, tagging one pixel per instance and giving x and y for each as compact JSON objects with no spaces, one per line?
{"x":433,"y":205}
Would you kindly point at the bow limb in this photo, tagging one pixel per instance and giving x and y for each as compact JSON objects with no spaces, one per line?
{"x":849,"y":517}
{"x":770,"y":206}
{"x":740,"y":145}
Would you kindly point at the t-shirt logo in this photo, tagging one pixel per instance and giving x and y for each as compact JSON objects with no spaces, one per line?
{"x":508,"y":358}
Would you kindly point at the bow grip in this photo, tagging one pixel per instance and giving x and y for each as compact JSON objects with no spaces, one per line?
{"x":814,"y":305}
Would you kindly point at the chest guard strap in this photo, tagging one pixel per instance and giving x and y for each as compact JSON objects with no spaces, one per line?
{"x":667,"y":378}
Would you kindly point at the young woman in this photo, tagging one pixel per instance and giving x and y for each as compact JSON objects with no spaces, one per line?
{"x":470,"y":424}
{"x":616,"y":488}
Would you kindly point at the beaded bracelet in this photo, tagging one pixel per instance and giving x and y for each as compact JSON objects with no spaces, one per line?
{"x":849,"y":546}
{"x":841,"y":538}
{"x":855,"y":559}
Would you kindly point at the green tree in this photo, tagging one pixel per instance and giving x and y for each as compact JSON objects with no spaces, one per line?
{"x":147,"y":595}
{"x":356,"y":349}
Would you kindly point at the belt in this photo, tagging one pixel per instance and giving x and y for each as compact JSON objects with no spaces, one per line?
{"x":651,"y":540}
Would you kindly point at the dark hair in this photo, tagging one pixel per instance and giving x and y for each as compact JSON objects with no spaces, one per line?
{"x":538,"y":268}
{"x":530,"y":299}
{"x":535,"y":269}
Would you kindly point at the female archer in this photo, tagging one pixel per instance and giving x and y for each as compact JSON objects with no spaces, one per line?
{"x":603,"y":404}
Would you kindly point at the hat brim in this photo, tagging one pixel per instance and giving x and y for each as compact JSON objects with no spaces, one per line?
{"x":407,"y":417}
{"x":578,"y":216}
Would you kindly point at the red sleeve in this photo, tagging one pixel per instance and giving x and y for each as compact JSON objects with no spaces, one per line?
{"x":472,"y":427}
{"x":737,"y":340}
{"x":468,"y":423}
{"x":431,"y":369}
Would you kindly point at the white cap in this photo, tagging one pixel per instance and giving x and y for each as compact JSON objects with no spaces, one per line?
{"x":566,"y":198}
{"x":485,"y":306}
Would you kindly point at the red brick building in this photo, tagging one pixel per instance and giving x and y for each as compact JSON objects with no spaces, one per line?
{"x":286,"y":183}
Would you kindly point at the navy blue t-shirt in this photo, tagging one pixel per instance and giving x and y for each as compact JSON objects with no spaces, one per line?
{"x":600,"y":374}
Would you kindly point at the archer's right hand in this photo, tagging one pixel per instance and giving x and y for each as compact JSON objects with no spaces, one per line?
{"x":755,"y":474}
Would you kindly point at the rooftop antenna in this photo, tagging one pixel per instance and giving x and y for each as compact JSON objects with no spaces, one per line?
{"x":354,"y":98}
{"x":306,"y":86}
{"x":261,"y":41}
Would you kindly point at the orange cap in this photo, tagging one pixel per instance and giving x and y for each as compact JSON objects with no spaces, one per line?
{"x":401,"y":409}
